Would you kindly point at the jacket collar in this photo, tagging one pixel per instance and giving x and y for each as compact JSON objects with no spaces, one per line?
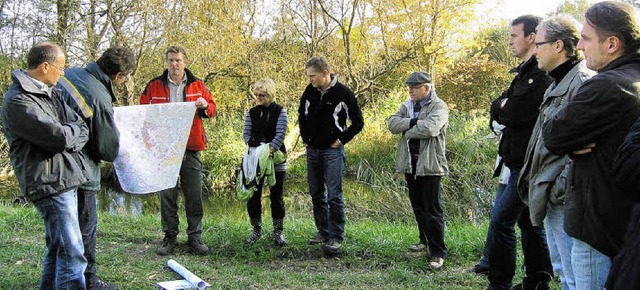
{"x":622,"y":60}
{"x":526,"y":66}
{"x":190,"y":77}
{"x":94,"y":69}
{"x":561,"y":88}
{"x":28,"y":85}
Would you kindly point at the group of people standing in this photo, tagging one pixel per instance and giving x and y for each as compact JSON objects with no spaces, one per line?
{"x":562,"y":122}
{"x":570,"y":181}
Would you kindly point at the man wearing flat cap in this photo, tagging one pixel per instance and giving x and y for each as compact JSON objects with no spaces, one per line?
{"x":422,"y":122}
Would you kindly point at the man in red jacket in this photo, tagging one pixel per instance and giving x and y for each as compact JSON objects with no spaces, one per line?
{"x":178,"y":84}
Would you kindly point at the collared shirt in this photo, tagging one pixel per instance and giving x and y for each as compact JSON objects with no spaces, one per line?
{"x":40,"y":85}
{"x":176,"y":91}
{"x":422,"y":103}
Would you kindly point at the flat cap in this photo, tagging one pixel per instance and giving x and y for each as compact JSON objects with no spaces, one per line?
{"x":418,"y":78}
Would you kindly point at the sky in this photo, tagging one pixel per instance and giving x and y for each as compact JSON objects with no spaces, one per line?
{"x":510,"y":9}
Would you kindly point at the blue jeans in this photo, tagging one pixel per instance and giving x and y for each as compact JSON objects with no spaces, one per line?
{"x":324,"y":170}
{"x":64,"y":262}
{"x":590,"y":267}
{"x":510,"y":209}
{"x":560,"y":245}
{"x":484,"y":261}
{"x":88,"y":218}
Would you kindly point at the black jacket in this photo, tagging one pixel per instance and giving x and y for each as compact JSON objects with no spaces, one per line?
{"x":323,"y":119}
{"x":520,"y":112}
{"x":603,"y":110}
{"x":45,"y":139}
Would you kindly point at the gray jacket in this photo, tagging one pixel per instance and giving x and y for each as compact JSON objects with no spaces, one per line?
{"x":45,"y":139}
{"x":432,"y":133}
{"x":543,"y":177}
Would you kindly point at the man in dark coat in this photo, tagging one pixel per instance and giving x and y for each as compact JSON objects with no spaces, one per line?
{"x":89,"y":91}
{"x":591,"y":127}
{"x":517,"y":110}
{"x":45,"y":139}
{"x":624,"y":268}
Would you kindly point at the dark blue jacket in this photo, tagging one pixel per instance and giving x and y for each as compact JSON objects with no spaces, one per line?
{"x":96,"y":95}
{"x":45,"y":139}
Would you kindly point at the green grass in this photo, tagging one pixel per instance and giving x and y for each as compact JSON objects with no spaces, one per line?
{"x":374,"y":254}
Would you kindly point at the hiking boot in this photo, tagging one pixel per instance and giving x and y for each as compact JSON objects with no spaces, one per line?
{"x":278,"y":239}
{"x":420,"y":247}
{"x":436,"y":262}
{"x":256,"y":234}
{"x":332,"y":247}
{"x":198,"y":247}
{"x":318,"y":239}
{"x":480,"y":270}
{"x":101,"y":285}
{"x":168,"y":244}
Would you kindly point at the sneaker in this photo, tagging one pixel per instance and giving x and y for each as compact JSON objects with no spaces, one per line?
{"x":420,"y":247}
{"x":332,"y":247}
{"x":480,"y":270}
{"x":436,"y":262}
{"x":168,"y":244}
{"x":101,"y":285}
{"x":318,"y":239}
{"x":198,"y":247}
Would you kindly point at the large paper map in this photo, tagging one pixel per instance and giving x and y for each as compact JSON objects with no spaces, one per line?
{"x":153,"y":139}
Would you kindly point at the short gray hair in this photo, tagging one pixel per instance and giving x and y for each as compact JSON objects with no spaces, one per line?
{"x":318,"y":63}
{"x":565,"y":28}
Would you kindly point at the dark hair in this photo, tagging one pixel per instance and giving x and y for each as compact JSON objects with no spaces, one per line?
{"x":565,"y":28}
{"x":530,"y":22}
{"x":117,"y":59}
{"x":319,"y":63}
{"x":176,"y":49}
{"x":41,"y":53}
{"x":615,"y":19}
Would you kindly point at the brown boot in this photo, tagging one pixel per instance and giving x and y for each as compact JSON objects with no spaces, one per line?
{"x":168,"y":244}
{"x":197,"y":246}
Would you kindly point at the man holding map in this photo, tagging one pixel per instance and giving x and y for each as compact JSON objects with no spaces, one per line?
{"x":178,"y":84}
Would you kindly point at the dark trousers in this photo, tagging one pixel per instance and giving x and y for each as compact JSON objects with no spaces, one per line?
{"x":254,"y":204}
{"x":424,"y":194}
{"x":508,"y":210}
{"x":88,"y":219}
{"x":191,"y":184}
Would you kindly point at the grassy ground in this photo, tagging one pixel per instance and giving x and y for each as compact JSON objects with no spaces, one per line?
{"x":374,"y":254}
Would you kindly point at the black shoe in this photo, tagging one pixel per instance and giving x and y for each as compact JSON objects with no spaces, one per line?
{"x":480,"y":270}
{"x":542,"y":285}
{"x":101,"y":285}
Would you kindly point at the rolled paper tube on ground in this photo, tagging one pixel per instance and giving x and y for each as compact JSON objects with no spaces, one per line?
{"x":187,"y":275}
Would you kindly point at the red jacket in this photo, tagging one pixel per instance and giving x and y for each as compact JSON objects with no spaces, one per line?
{"x":157,"y":92}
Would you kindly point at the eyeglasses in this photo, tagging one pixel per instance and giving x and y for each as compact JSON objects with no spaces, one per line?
{"x":261,"y":95}
{"x":57,"y":67}
{"x":415,"y":87}
{"x":538,"y":44}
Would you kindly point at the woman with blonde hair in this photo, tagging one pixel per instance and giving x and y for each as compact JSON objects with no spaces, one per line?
{"x":266,"y":123}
